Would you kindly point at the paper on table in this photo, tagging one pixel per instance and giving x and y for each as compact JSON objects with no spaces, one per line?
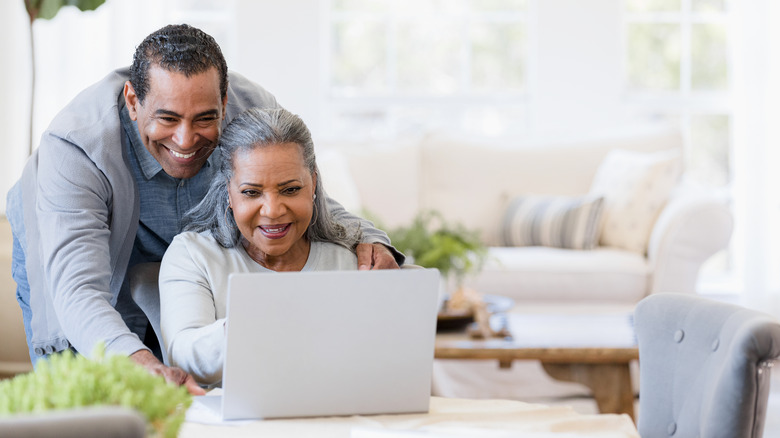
{"x":205,"y":409}
{"x":460,"y":432}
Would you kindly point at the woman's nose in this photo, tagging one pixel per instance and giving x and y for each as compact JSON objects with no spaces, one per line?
{"x":273,"y":206}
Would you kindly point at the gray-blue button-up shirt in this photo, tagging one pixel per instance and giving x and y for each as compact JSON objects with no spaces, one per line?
{"x":164,"y":199}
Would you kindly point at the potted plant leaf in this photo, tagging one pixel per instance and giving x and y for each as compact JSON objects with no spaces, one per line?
{"x":69,"y":381}
{"x":432,"y":242}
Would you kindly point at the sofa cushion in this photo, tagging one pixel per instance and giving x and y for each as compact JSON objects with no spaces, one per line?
{"x":556,"y":221}
{"x":539,"y":274}
{"x":469,"y":180}
{"x":635,"y":187}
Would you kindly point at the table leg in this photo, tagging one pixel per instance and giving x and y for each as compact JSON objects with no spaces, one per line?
{"x":610,"y":383}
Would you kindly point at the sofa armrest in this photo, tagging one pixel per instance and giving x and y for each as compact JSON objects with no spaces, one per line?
{"x":692,"y":227}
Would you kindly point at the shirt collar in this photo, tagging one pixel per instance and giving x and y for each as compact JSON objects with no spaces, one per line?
{"x":149,"y":165}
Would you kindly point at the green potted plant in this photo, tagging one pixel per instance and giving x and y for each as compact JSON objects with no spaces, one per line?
{"x":70,"y":381}
{"x":430,"y":241}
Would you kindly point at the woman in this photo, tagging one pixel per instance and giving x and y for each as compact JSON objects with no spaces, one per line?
{"x":265,"y":212}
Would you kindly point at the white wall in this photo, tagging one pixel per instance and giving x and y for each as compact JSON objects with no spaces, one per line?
{"x":577,"y":84}
{"x":280,"y":48}
{"x":14,"y":105}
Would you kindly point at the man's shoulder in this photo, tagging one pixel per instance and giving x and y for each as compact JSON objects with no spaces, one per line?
{"x":95,"y":108}
{"x":244,"y":94}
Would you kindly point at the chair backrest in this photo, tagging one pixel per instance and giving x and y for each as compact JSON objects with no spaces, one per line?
{"x":704,"y":367}
{"x":145,"y":290}
{"x":86,"y":422}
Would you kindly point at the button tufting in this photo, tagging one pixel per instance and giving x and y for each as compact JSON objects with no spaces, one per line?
{"x":672,"y":428}
{"x":715,"y":344}
{"x":679,"y":335}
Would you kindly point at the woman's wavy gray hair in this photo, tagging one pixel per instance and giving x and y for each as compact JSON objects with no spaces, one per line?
{"x":257,"y":128}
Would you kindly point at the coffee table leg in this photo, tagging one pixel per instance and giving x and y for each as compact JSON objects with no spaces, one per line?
{"x":610,"y":383}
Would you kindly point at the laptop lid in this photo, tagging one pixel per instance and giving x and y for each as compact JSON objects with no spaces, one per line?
{"x":329,"y":343}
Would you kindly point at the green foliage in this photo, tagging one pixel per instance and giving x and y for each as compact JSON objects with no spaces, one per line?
{"x":47,"y":9}
{"x":67,"y":380}
{"x":433,"y":243}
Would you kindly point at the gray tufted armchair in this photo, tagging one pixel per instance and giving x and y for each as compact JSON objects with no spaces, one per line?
{"x":704,"y":367}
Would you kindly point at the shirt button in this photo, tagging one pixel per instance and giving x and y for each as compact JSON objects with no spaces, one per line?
{"x":49,"y":349}
{"x":39,"y":351}
{"x":672,"y":428}
{"x":679,"y":335}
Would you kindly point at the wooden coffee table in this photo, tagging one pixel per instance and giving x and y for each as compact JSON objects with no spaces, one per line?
{"x":592,"y":349}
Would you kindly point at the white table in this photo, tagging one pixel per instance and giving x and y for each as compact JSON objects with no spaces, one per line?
{"x":448,"y":417}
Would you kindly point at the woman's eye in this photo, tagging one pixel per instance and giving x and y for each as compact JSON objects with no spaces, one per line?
{"x":251,"y":193}
{"x":291,"y":190}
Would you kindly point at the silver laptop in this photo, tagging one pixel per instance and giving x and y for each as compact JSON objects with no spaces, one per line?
{"x":303,"y":344}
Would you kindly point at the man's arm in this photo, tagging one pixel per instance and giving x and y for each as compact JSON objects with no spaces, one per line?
{"x":74,"y":220}
{"x":75,"y":224}
{"x":375,"y":250}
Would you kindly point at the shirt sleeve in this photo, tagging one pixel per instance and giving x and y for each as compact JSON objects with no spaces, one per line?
{"x":193,"y":335}
{"x":371,"y":234}
{"x":73,"y":213}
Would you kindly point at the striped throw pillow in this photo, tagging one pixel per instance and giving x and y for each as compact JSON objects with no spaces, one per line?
{"x":560,"y":222}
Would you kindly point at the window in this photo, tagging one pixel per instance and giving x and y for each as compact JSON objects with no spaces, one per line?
{"x":677,"y":69}
{"x":398,"y":67}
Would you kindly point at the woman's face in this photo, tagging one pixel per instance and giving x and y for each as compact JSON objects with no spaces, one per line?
{"x":271,"y":195}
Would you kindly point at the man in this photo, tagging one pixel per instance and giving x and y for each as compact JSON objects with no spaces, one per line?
{"x":108,"y":187}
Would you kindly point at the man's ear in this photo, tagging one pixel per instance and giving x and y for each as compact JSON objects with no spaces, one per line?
{"x":224,"y":107}
{"x":131,"y":100}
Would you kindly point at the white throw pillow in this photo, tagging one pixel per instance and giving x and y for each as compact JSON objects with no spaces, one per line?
{"x":555,"y":221}
{"x":635,"y":187}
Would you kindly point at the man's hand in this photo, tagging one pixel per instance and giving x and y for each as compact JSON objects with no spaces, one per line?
{"x":146,"y":359}
{"x":375,"y":256}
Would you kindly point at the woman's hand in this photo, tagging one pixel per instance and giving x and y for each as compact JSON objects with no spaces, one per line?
{"x":374,"y":256}
{"x":146,"y":359}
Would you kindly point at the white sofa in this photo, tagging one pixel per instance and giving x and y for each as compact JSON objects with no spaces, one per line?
{"x":470,"y":182}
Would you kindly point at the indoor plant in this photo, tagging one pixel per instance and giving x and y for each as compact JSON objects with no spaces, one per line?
{"x":431,"y":242}
{"x":67,"y":381}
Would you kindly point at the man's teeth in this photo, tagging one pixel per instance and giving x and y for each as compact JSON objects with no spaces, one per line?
{"x":178,"y":155}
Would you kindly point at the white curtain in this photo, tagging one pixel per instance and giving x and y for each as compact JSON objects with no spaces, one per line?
{"x":756,"y":150}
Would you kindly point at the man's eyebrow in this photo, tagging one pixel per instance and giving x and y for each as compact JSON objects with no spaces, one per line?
{"x":164,"y":112}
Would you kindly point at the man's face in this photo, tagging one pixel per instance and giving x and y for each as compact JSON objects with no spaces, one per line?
{"x":180,"y":120}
